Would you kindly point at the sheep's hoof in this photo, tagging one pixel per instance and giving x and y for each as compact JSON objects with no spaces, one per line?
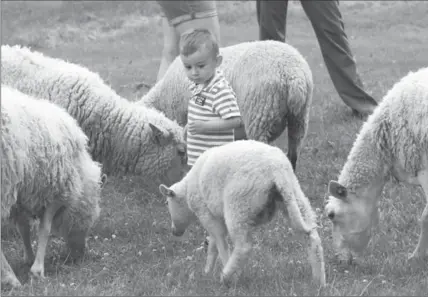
{"x":225,"y":280}
{"x":37,"y":272}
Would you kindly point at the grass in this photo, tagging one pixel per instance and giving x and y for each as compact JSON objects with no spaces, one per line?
{"x":122,"y":41}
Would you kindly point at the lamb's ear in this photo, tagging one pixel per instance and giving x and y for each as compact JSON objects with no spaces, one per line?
{"x":337,"y":190}
{"x":165,"y":191}
{"x":159,"y":136}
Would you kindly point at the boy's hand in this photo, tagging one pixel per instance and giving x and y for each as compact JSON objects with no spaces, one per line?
{"x":196,"y":127}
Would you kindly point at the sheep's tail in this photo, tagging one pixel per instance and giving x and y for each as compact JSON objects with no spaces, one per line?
{"x":290,"y":191}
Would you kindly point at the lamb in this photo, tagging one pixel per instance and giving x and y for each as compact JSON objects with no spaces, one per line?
{"x":46,"y":173}
{"x":125,"y":137}
{"x":234,"y":188}
{"x":273,"y":84}
{"x":393,"y":142}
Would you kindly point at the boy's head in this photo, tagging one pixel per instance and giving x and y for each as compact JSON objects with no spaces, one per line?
{"x":199,"y":52}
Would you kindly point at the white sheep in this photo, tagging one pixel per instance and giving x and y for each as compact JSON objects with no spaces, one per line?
{"x":273,"y":84}
{"x":125,"y":137}
{"x":46,"y":173}
{"x":392,"y":143}
{"x":234,"y":188}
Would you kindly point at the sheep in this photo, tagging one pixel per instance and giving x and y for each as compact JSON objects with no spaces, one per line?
{"x":232,"y":189}
{"x":125,"y":137}
{"x":393,"y":142}
{"x":47,"y":174}
{"x":273,"y":84}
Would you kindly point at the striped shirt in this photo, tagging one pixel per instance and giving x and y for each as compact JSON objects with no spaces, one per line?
{"x":215,"y":101}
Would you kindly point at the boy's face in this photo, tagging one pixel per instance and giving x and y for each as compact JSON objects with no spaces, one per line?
{"x":200,"y":66}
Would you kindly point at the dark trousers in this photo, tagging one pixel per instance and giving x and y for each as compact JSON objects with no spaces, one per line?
{"x":327,"y":23}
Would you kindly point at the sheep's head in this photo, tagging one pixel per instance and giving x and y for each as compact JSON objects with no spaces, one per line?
{"x":177,"y":158}
{"x":352,"y":214}
{"x":181,"y":215}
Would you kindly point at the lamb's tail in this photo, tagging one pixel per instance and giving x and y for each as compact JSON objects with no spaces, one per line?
{"x":289,"y":189}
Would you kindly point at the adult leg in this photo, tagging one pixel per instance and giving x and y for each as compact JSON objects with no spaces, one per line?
{"x":272,"y":17}
{"x":170,"y":47}
{"x":327,"y":22}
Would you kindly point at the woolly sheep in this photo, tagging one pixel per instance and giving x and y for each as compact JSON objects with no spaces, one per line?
{"x":273,"y":84}
{"x":46,"y":173}
{"x":392,"y":143}
{"x":125,"y":137}
{"x":234,"y":188}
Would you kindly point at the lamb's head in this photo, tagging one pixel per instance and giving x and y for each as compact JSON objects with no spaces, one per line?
{"x":352,"y":213}
{"x":181,"y":215}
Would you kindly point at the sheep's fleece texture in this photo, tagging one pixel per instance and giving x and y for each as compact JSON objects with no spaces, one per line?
{"x":272,"y":81}
{"x":395,"y":135}
{"x":119,"y":131}
{"x":44,"y":158}
{"x":241,"y":184}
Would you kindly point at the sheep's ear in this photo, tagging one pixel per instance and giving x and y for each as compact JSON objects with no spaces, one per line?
{"x":159,"y":136}
{"x":103,"y":179}
{"x":337,"y":190}
{"x":165,"y":191}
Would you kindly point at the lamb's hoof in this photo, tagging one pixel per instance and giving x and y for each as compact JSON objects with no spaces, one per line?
{"x":12,"y":281}
{"x":225,"y":280}
{"x":37,"y":272}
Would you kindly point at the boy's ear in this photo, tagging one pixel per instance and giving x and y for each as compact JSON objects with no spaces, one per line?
{"x":219,"y":60}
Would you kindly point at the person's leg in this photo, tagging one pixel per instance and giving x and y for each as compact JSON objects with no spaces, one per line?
{"x":181,"y":16}
{"x":170,"y":47}
{"x":272,"y":17}
{"x":326,"y":20}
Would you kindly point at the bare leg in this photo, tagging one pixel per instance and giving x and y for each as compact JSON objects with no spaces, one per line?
{"x":170,"y":47}
{"x":24,"y":229}
{"x":44,"y":231}
{"x":422,"y":246}
{"x":242,"y":243}
{"x":7,"y":274}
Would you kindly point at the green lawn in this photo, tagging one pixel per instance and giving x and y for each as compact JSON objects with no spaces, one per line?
{"x":122,"y":41}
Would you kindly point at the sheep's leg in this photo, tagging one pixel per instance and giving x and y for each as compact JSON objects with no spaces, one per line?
{"x":217,"y":242}
{"x":212,"y":254}
{"x":297,"y":127}
{"x":24,"y":229}
{"x":242,"y":247}
{"x":422,"y":246}
{"x":44,"y":231}
{"x":316,"y":257}
{"x":7,"y":274}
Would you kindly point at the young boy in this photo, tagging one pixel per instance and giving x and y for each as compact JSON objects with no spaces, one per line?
{"x":213,"y":111}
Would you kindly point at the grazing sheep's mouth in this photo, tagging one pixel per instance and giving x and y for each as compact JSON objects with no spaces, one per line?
{"x":177,"y":233}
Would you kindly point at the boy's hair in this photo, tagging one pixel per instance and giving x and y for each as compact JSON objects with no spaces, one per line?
{"x":192,"y":40}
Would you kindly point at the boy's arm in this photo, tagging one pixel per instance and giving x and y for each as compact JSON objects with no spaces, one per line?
{"x":222,"y":124}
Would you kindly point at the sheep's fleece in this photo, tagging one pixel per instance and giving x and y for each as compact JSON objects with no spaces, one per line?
{"x":273,"y":85}
{"x":45,"y":160}
{"x":124,"y":136}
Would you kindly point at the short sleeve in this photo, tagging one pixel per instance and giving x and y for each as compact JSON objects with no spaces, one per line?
{"x":225,"y":103}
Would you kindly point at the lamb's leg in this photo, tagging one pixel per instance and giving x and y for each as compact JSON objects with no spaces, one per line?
{"x":7,"y":274}
{"x":37,"y":269}
{"x":24,"y":229}
{"x":316,"y":258}
{"x":242,"y":246}
{"x":212,"y":254}
{"x":217,"y":238}
{"x":297,"y":127}
{"x":422,"y":246}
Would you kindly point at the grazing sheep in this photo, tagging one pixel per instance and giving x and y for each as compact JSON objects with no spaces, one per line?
{"x":273,"y":85}
{"x":393,"y":142}
{"x":125,"y":137}
{"x":46,"y":173}
{"x":234,"y":188}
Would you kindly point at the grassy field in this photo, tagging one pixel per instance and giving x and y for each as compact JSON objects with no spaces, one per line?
{"x":131,"y":250}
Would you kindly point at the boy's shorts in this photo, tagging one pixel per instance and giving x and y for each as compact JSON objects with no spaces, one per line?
{"x":178,"y":12}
